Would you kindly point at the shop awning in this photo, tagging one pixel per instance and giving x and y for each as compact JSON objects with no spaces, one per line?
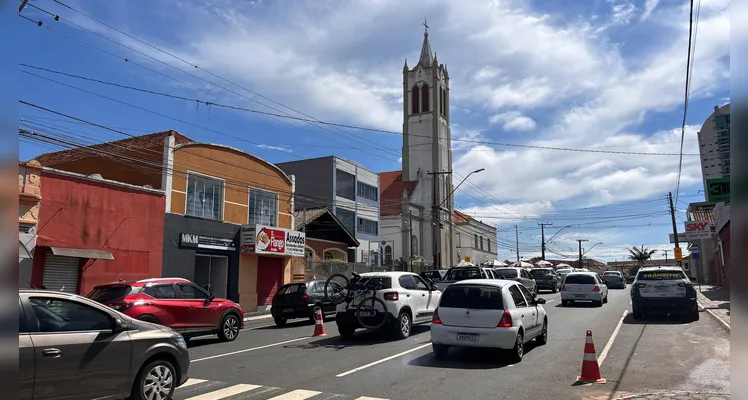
{"x":82,"y":253}
{"x":23,"y":252}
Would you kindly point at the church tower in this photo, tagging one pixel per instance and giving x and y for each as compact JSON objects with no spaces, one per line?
{"x":427,"y":149}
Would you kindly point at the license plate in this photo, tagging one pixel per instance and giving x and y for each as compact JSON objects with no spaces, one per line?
{"x":466,"y":337}
{"x":287,"y":310}
{"x":662,"y":288}
{"x":580,"y":295}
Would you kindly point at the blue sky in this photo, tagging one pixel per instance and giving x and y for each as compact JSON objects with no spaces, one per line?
{"x":598,"y":74}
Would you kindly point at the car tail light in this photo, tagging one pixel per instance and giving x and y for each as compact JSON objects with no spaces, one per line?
{"x":120,"y":306}
{"x":392,"y":296}
{"x":305,"y":297}
{"x":684,"y":284}
{"x":563,"y":288}
{"x":506,"y":320}
{"x":596,"y":288}
{"x":435,"y":319}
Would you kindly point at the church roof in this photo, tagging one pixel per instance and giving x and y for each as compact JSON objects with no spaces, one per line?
{"x":391,"y":187}
{"x":426,"y":54}
{"x":460,"y":217}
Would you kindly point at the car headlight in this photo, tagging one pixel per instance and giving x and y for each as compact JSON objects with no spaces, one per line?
{"x":179,"y":340}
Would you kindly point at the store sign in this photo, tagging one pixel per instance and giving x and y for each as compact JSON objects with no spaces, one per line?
{"x":193,"y":240}
{"x":260,"y":239}
{"x":681,"y":237}
{"x":678,"y":254}
{"x":697,"y":230}
{"x":718,"y":190}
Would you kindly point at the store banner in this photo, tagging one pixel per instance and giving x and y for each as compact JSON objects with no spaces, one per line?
{"x":261,"y":239}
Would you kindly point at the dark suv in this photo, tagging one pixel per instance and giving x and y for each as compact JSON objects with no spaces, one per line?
{"x":298,"y":300}
{"x":176,"y":303}
{"x":546,"y":279}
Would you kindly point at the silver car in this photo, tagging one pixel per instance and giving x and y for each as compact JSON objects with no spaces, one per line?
{"x":71,"y":347}
{"x":518,"y":274}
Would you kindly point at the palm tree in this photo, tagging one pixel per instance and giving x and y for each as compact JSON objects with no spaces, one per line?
{"x":640,"y":254}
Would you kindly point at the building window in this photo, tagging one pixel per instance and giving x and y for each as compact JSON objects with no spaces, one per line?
{"x":388,"y":254}
{"x":367,"y":226}
{"x":204,"y":197}
{"x":329,"y":256}
{"x":367,"y":191}
{"x":414,"y":98}
{"x":459,"y":240}
{"x":309,"y":254}
{"x":348,"y":218}
{"x":425,"y":98}
{"x":414,"y":245}
{"x":476,"y":241}
{"x":481,"y":242}
{"x":263,"y":207}
{"x":488,"y":243}
{"x":345,"y":185}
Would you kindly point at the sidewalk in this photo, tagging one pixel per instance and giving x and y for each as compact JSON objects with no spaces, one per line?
{"x":254,"y":315}
{"x":716,"y":302}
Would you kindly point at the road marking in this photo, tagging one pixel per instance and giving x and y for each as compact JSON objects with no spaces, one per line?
{"x":608,"y":345}
{"x":381,"y":361}
{"x":549,"y":301}
{"x":192,"y":381}
{"x":227,"y":392}
{"x":370,"y":398}
{"x":250,"y":349}
{"x":296,"y":395}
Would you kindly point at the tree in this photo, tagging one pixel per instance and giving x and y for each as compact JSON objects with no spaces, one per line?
{"x":507,"y":262}
{"x":534,"y":260}
{"x":640,"y":254}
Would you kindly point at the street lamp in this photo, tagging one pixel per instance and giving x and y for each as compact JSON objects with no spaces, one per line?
{"x":458,"y":185}
{"x":588,"y":250}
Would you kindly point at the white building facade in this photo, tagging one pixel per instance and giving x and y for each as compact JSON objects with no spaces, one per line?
{"x":714,"y":144}
{"x":475,"y":240}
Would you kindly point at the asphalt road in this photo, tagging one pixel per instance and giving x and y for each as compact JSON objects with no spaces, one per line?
{"x":266,"y":362}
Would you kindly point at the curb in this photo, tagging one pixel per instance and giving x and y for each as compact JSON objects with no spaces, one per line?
{"x":258,"y":317}
{"x":670,"y":394}
{"x":725,"y":324}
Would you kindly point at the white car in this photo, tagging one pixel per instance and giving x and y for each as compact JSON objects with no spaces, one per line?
{"x":583,"y":286}
{"x":663,"y":289}
{"x":492,"y":313}
{"x":409,"y":300}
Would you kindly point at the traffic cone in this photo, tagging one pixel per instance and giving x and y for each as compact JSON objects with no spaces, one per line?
{"x":590,"y":367}
{"x":319,"y":325}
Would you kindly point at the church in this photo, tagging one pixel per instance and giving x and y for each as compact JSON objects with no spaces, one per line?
{"x":418,"y":224}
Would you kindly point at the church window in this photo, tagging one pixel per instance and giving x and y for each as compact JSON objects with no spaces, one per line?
{"x":425,"y":98}
{"x":443,"y":102}
{"x":414,"y":105}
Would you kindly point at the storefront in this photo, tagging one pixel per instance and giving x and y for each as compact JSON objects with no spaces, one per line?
{"x":203,"y":251}
{"x":266,"y":263}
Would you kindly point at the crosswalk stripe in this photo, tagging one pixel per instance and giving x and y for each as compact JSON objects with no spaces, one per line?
{"x":296,"y":395}
{"x":192,"y":381}
{"x":227,"y":392}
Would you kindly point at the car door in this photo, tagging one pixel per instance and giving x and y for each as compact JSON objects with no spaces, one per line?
{"x":532,"y":307}
{"x":521,"y":311}
{"x":431,"y":297}
{"x":26,"y":364}
{"x":78,"y":352}
{"x":201,"y":313}
{"x":416,"y":300}
{"x":166,"y":305}
{"x":527,"y":280}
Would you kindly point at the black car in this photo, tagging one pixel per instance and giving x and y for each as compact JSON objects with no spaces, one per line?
{"x":614,"y":279}
{"x":435,"y":275}
{"x":298,"y":300}
{"x":546,"y":279}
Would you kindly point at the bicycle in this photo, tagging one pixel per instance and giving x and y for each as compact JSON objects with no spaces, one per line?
{"x":371,"y":312}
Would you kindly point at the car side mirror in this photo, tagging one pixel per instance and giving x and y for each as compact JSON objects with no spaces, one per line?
{"x":119,"y":326}
{"x":540,"y":301}
{"x":211,"y":297}
{"x":434,"y":287}
{"x":692,"y":278}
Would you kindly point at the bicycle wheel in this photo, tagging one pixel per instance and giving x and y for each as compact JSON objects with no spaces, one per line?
{"x":371,"y":313}
{"x":337,"y":287}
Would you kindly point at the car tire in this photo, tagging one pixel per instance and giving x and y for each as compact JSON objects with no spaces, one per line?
{"x":554,"y":290}
{"x":693,"y":315}
{"x":519,"y":349}
{"x":160,"y":372}
{"x":280,"y":321}
{"x":605,"y":300}
{"x":403,"y":325}
{"x":228,"y":331}
{"x":346,"y":331}
{"x":598,"y":303}
{"x":440,"y":351}
{"x":543,"y":337}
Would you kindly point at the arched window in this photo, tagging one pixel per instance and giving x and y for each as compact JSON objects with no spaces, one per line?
{"x":414,"y":104}
{"x":329,"y":256}
{"x":388,"y":254}
{"x":443,"y":102}
{"x":425,"y":98}
{"x":309,"y":254}
{"x":414,"y":245}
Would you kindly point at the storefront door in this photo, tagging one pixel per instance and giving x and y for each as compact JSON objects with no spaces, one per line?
{"x":61,"y":273}
{"x":211,"y":273}
{"x":269,"y":279}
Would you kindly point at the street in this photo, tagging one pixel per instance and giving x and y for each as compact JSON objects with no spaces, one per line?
{"x":653,"y":356}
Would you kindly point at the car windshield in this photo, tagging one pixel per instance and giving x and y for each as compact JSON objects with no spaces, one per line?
{"x":507,"y":273}
{"x":661,"y":275}
{"x":105,"y":294}
{"x":460,"y":274}
{"x":472,"y":297}
{"x":563,"y":271}
{"x":541,"y":272}
{"x":316,"y":287}
{"x":386,"y":281}
{"x":579,"y":279}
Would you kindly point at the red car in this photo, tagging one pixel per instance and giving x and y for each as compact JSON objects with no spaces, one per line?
{"x":176,"y":303}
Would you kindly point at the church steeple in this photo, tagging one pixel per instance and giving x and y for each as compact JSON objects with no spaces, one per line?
{"x":426,"y":55}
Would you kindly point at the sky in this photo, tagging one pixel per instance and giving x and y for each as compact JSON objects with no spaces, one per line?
{"x":594,"y":75}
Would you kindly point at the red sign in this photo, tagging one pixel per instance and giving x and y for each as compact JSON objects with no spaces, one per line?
{"x":271,"y":240}
{"x":696,"y":226}
{"x":698,"y":230}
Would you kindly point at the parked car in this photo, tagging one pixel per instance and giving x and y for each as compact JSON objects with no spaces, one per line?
{"x":520,"y":275}
{"x":456,"y":274}
{"x":614,"y":280}
{"x":546,"y":279}
{"x":583,"y":286}
{"x":176,"y":303}
{"x":299,"y":300}
{"x":663,"y":289}
{"x":409,"y":300}
{"x":435,"y":275}
{"x":71,"y":347}
{"x":491,"y":313}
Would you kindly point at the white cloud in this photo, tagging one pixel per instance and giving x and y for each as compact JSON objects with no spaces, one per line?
{"x":279,"y":148}
{"x":649,"y":7}
{"x":513,"y":121}
{"x":503,"y":213}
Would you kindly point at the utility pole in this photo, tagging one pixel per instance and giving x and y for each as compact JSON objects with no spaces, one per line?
{"x":436,"y":217}
{"x":675,"y":226}
{"x":516,"y":233}
{"x":542,"y":239}
{"x":22,"y":5}
{"x":666,"y":251}
{"x":410,"y":238}
{"x":580,"y":250}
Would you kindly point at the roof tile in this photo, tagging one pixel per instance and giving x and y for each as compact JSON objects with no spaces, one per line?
{"x":391,"y":192}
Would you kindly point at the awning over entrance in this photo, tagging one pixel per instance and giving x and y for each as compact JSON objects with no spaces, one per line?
{"x":82,"y":253}
{"x":23,"y":252}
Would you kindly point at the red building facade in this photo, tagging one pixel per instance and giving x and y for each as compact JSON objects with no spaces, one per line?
{"x":93,"y":231}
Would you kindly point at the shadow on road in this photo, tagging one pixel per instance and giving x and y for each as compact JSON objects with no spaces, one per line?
{"x":360,"y":339}
{"x":469,"y":358}
{"x":197,"y":342}
{"x":578,"y":304}
{"x":656,"y":319}
{"x":290,"y":324}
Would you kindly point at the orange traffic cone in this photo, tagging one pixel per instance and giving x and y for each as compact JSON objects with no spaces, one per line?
{"x":590,"y":367}
{"x":319,"y":325}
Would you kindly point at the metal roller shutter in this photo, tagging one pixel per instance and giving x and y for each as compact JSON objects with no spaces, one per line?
{"x":61,"y":273}
{"x":269,"y":271}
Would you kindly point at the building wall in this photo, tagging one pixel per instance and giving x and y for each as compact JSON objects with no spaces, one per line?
{"x":711,"y":163}
{"x":320,"y":246}
{"x":465,"y":242}
{"x":314,"y":181}
{"x":82,"y":213}
{"x":362,"y":207}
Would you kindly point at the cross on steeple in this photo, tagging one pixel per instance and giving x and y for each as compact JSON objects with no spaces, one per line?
{"x":426,"y":25}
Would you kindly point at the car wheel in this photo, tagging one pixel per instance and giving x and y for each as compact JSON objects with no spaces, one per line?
{"x":157,"y":380}
{"x":440,"y":350}
{"x":519,"y":349}
{"x":598,"y":303}
{"x":543,"y":337}
{"x":229,"y":329}
{"x":693,"y":315}
{"x":280,"y":321}
{"x":605,"y":300}
{"x":346,"y":331}
{"x":403,"y":325}
{"x":554,"y":290}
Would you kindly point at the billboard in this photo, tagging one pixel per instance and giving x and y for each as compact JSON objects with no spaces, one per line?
{"x":697,"y":230}
{"x":261,"y":239}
